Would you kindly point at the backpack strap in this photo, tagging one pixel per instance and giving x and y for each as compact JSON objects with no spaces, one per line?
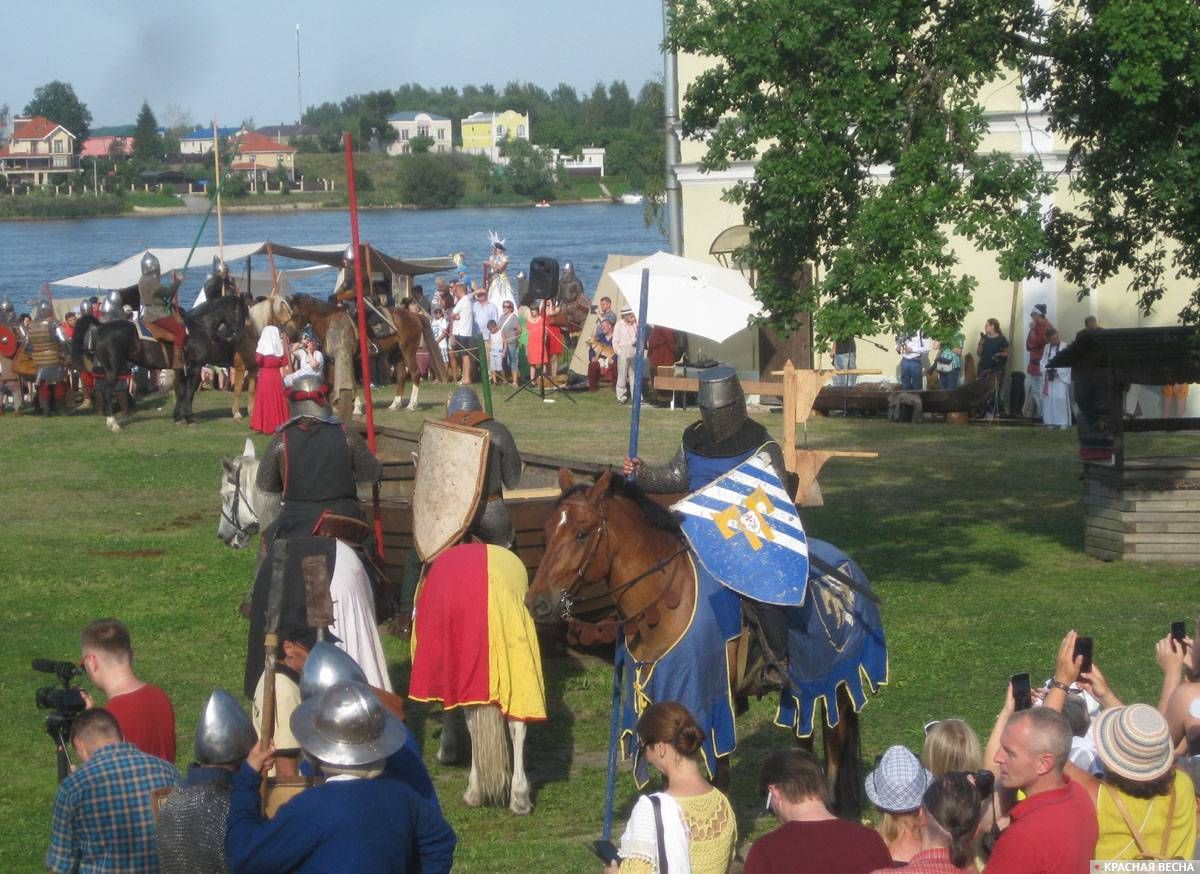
{"x":656,"y":803}
{"x":1133,"y":830}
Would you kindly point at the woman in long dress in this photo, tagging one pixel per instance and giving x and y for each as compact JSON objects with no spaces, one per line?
{"x":270,"y":404}
{"x":1056,"y":385}
{"x":545,"y":340}
{"x":499,"y":287}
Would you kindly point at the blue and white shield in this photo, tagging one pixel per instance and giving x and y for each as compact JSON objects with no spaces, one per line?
{"x":744,"y":529}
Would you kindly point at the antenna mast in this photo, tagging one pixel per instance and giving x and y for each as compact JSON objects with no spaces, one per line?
{"x":299,"y":99}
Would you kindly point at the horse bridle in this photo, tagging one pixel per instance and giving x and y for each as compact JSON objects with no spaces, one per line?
{"x":239,"y":498}
{"x":568,"y":602}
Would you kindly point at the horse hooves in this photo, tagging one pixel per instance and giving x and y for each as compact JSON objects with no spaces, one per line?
{"x":237,"y":415}
{"x":521,"y":806}
{"x":472,"y":799}
{"x":191,"y":423}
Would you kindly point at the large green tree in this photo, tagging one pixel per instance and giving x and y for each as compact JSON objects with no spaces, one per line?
{"x":147,"y":142}
{"x":866,"y":121}
{"x":57,"y":101}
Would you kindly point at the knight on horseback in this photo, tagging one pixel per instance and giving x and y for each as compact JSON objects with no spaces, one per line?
{"x":158,"y":306}
{"x":724,"y":437}
{"x":375,"y":299}
{"x":47,"y":342}
{"x":219,"y":282}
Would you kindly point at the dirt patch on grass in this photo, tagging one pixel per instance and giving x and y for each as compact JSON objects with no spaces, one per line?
{"x":185,"y":521}
{"x":128,"y":553}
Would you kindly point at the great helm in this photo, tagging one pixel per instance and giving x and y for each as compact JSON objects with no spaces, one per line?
{"x":325,"y":667}
{"x":721,"y":401}
{"x":307,"y":396}
{"x":150,"y":265}
{"x":44,"y":310}
{"x":346,"y":725}
{"x":224,"y":733}
{"x":463,"y":400}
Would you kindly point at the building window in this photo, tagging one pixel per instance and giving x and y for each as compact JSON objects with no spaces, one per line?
{"x":441,"y":133}
{"x":404,"y":134}
{"x":499,"y":130}
{"x":423,"y":131}
{"x":58,"y":147}
{"x":521,"y":131}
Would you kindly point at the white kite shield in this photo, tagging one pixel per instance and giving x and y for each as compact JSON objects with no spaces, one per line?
{"x":691,"y":296}
{"x":451,"y":467}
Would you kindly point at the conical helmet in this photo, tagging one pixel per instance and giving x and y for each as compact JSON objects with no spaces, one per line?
{"x":44,"y":310}
{"x":463,"y":400}
{"x":348,"y":255}
{"x":326,"y":666}
{"x":307,"y":396}
{"x":346,"y":725}
{"x":6,"y":307}
{"x":224,"y":733}
{"x":150,"y":265}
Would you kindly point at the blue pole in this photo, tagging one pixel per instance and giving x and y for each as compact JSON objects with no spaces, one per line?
{"x":638,"y":368}
{"x":614,"y":724}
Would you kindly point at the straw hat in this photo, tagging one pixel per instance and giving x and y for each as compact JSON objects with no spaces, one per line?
{"x":899,"y":781}
{"x":1133,"y":742}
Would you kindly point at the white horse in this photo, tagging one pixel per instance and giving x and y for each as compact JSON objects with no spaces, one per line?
{"x":245,"y":509}
{"x":274,"y":310}
{"x":475,"y":650}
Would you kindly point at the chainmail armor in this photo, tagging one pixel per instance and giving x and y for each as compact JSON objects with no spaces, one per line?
{"x":365,"y":465}
{"x":191,"y":830}
{"x":494,"y":526}
{"x":665,"y":479}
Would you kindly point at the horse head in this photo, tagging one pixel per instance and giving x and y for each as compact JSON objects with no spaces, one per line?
{"x":573,"y":558}
{"x":244,"y":508}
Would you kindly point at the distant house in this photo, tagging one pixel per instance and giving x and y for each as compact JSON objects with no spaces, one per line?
{"x":284,"y":134}
{"x":39,"y":148}
{"x":483,"y":132}
{"x":200,"y":140}
{"x":102,"y":146}
{"x":589,"y":163}
{"x":256,"y":155}
{"x":410,"y":125}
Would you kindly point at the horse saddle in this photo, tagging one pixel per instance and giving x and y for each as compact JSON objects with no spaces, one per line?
{"x":341,"y":527}
{"x":151,"y":331}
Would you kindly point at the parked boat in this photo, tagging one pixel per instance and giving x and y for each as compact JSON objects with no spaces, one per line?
{"x":633,"y":199}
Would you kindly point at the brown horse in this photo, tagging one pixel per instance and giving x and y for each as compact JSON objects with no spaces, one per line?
{"x":609,"y":545}
{"x":274,"y":310}
{"x":339,"y":338}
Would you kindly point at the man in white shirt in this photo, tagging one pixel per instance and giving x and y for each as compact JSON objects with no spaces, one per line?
{"x":462,"y":323}
{"x":484,"y":311}
{"x":625,"y":345}
{"x":912,"y":350}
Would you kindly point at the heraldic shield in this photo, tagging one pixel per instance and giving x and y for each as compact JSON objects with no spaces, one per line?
{"x":744,"y":529}
{"x":451,"y":468}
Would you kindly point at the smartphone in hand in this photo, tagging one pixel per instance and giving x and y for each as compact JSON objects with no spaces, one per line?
{"x":1022,"y":694}
{"x":1178,"y":631}
{"x":607,"y":851}
{"x":1083,"y":647}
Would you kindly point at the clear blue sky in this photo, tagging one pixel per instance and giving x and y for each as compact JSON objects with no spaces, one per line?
{"x":235,"y":60}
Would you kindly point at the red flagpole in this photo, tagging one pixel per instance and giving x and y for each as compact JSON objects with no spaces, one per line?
{"x":363,"y":356}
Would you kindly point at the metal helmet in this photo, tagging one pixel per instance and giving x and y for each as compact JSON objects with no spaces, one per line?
{"x":43,"y":311}
{"x":6,"y":310}
{"x":84,"y":308}
{"x":326,"y":666}
{"x":110,"y":311}
{"x":568,"y":270}
{"x":722,"y":402}
{"x":307,"y":396}
{"x":348,"y":255}
{"x":219,"y":268}
{"x":224,"y":733}
{"x":346,"y":725}
{"x":463,"y":400}
{"x":150,"y":265}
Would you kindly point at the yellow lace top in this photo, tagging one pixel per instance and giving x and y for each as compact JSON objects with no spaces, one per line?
{"x":712,"y":833}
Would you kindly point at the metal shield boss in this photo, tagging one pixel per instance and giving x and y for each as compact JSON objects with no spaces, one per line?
{"x":8,"y":342}
{"x":451,"y":469}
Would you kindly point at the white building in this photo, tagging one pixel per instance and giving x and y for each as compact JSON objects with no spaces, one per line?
{"x":589,"y":163}
{"x":410,"y":125}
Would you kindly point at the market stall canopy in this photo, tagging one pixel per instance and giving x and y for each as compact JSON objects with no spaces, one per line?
{"x":692,"y":296}
{"x":126,"y":273}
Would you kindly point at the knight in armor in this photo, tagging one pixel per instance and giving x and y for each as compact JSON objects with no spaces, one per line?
{"x":219,"y":283}
{"x":8,"y":315}
{"x":377,"y":297}
{"x":158,"y":305}
{"x":314,"y":464}
{"x":356,"y":820}
{"x":571,"y":298}
{"x":724,"y":437}
{"x":192,"y":821}
{"x":12,"y":339}
{"x":48,"y":346}
{"x":113,"y":308}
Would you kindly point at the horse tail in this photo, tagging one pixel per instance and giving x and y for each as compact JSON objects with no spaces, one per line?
{"x":435,"y":355}
{"x":489,"y":750}
{"x":846,"y":755}
{"x":81,"y":329}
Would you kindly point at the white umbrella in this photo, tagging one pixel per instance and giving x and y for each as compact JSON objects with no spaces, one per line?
{"x":691,"y":296}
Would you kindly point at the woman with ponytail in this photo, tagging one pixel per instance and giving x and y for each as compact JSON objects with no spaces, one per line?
{"x":689,"y":828}
{"x":949,"y":818}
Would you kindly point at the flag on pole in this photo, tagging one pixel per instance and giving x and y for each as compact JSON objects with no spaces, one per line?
{"x":744,"y":529}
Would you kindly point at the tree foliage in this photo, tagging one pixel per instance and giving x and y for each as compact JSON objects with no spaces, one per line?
{"x":57,"y":101}
{"x":147,"y":143}
{"x":531,"y":170}
{"x":431,"y":180}
{"x":827,"y":94}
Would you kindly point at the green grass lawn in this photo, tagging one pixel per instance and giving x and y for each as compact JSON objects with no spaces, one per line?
{"x":972,"y":536}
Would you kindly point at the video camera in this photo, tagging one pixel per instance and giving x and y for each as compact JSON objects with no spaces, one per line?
{"x":65,"y":704}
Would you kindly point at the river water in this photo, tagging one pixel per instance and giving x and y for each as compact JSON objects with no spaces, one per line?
{"x":34,"y":252}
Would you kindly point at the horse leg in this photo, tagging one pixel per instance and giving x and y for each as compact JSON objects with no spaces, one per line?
{"x":239,"y":372}
{"x":107,"y":387}
{"x":401,"y":378}
{"x":414,"y":372}
{"x":842,"y":759}
{"x":490,"y":764}
{"x":471,"y":797}
{"x":519,"y":800}
{"x":452,"y":726}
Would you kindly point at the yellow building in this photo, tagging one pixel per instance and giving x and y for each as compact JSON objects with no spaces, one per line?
{"x":483,"y":132}
{"x":1013,"y":127}
{"x":38,"y":150}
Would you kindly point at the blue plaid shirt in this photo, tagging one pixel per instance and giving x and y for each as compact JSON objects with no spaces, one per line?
{"x":102,"y":815}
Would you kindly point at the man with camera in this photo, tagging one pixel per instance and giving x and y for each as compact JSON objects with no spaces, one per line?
{"x":102,"y":815}
{"x":143,"y":711}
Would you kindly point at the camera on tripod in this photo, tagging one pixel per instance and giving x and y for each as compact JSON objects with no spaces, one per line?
{"x":65,"y":703}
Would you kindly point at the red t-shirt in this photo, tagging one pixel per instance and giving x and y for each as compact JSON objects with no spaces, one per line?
{"x":818,"y":848}
{"x":147,"y":720}
{"x":1053,"y":832}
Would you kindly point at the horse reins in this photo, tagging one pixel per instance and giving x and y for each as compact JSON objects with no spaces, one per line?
{"x":239,"y":498}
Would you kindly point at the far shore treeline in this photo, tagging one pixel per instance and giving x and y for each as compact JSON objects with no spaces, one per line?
{"x":629,"y":128}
